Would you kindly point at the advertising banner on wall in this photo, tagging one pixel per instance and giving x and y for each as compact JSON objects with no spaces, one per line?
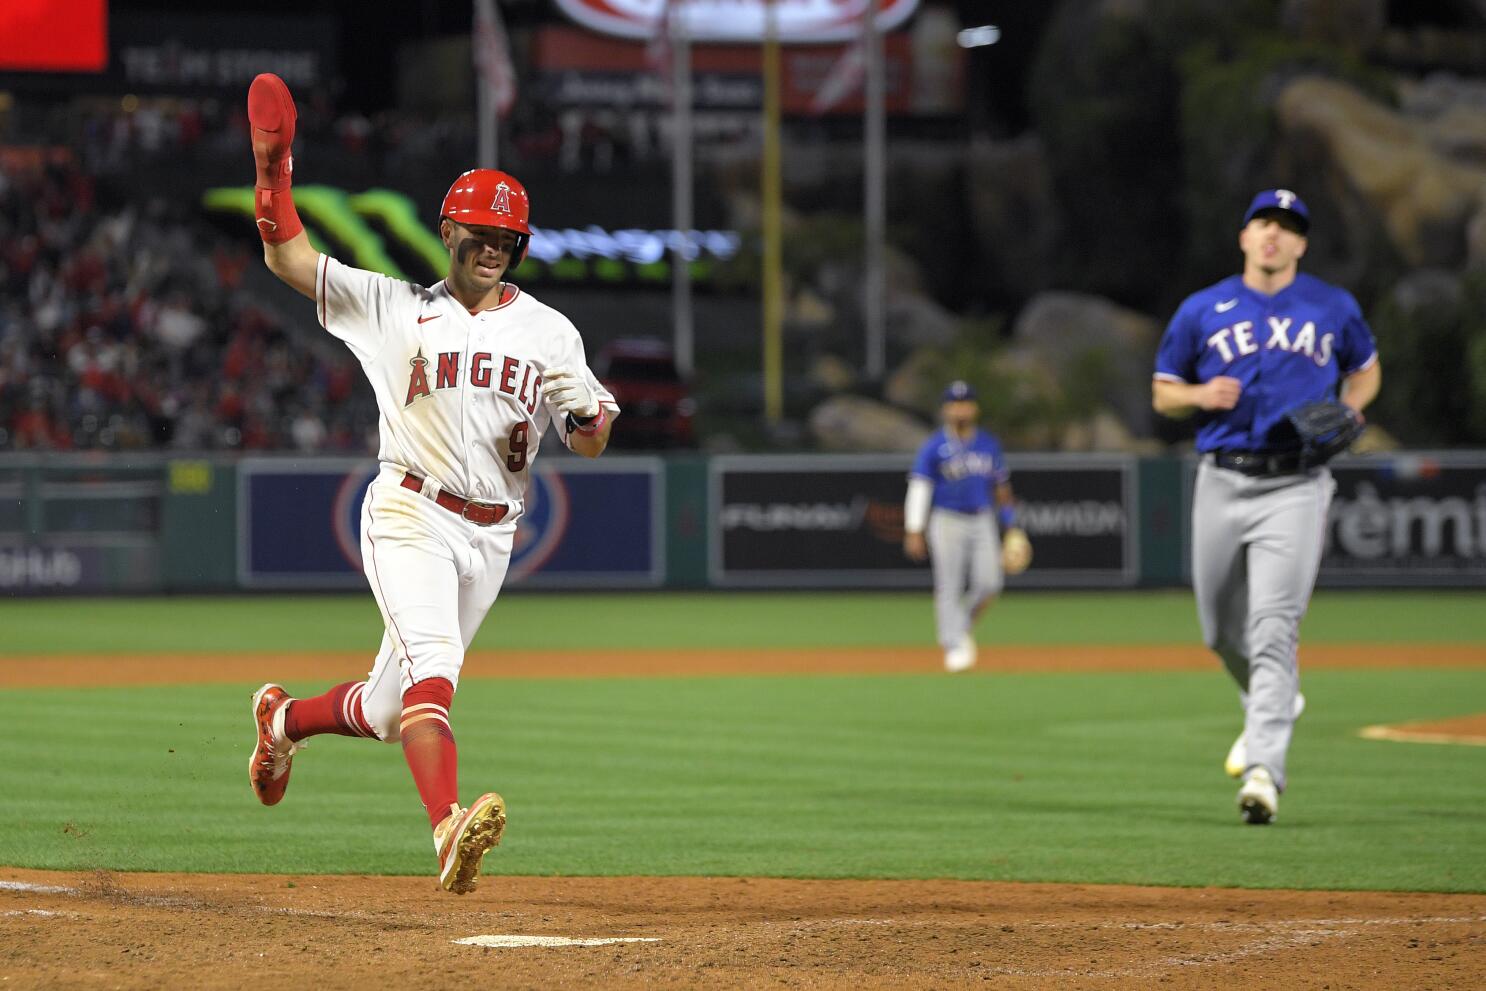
{"x":57,"y":567}
{"x":1407,"y":519}
{"x":737,"y":20}
{"x":585,"y":524}
{"x":185,"y":54}
{"x":219,"y":54}
{"x":575,"y":68}
{"x":31,"y":42}
{"x":838,"y":521}
{"x":380,"y":230}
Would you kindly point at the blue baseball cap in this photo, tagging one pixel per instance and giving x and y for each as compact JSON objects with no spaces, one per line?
{"x":1280,"y":199}
{"x":959,"y":391}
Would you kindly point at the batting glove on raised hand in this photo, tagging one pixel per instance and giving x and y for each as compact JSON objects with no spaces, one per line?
{"x":272,"y":116}
{"x":570,"y":393}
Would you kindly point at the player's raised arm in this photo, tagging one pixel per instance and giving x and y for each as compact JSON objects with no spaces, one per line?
{"x":286,"y":247}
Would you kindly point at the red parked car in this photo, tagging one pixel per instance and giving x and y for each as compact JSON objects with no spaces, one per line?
{"x":655,"y":404}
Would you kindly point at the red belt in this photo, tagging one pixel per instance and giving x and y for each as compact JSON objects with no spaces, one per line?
{"x":478,"y":513}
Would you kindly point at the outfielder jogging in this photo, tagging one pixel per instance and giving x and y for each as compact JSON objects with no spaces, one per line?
{"x":1242,"y":354}
{"x":954,"y":478}
{"x":468,"y":376}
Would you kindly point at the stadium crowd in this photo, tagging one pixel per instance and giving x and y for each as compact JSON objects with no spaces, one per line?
{"x":128,"y":325}
{"x":125,"y":320}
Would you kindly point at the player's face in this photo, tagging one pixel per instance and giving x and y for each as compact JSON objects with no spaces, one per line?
{"x":1272,"y":243}
{"x":961,"y":414}
{"x":479,"y":256}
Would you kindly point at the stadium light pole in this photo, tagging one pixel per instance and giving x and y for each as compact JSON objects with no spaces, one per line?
{"x":874,"y":284}
{"x":485,"y":158}
{"x":770,"y":194}
{"x":683,"y":328}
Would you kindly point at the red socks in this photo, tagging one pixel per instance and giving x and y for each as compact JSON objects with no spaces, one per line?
{"x":338,"y":711}
{"x":428,"y":745}
{"x":427,"y":740}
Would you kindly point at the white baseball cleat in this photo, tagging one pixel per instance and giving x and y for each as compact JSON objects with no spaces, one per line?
{"x":1237,"y":760}
{"x":1258,"y":799}
{"x":463,"y":839}
{"x":960,"y":657}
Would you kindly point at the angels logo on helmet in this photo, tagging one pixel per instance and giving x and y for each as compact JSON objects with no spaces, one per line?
{"x":502,"y":201}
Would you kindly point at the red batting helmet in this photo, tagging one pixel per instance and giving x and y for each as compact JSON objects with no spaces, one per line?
{"x":489,"y":198}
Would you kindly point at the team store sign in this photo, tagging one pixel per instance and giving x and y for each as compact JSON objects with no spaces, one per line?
{"x":737,"y":20}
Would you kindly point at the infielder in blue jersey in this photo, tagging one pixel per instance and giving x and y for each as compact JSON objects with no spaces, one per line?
{"x":1240,"y":354}
{"x":950,"y":490}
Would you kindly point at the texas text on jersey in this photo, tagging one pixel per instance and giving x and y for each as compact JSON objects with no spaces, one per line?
{"x":1285,"y":350}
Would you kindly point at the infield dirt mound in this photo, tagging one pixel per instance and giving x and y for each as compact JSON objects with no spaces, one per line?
{"x":64,"y":929}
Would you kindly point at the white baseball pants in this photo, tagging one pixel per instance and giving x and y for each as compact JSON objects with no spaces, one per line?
{"x":435,"y":576}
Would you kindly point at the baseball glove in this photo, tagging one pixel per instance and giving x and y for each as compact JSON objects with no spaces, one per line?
{"x":1326,"y":429}
{"x":1016,"y":551}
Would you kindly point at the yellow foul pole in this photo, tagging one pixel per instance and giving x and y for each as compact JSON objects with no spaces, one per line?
{"x":773,"y":243}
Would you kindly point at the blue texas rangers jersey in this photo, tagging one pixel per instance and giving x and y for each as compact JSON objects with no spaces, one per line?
{"x":1285,"y":350}
{"x":963,"y":472}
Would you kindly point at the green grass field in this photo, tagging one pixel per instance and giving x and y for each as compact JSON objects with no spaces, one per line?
{"x":1056,"y":777}
{"x":702,"y":619}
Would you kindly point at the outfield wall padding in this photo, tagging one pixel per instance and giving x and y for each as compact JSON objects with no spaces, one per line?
{"x":156,"y":523}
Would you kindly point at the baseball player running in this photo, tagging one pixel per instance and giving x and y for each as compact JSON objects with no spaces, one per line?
{"x":468,"y":376}
{"x":1240,"y":354}
{"x":949,"y":498}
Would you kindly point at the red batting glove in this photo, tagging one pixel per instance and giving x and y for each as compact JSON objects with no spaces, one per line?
{"x":271,"y":114}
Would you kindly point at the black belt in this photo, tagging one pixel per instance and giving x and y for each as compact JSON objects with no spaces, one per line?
{"x":1258,"y":463}
{"x":478,"y":513}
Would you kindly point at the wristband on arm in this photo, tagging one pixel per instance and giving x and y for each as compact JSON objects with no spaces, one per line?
{"x":1006,"y":516}
{"x":278,"y":221}
{"x":588,"y":425}
{"x":916,"y":504}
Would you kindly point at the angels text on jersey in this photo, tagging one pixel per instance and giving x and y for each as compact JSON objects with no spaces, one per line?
{"x":486,"y":370}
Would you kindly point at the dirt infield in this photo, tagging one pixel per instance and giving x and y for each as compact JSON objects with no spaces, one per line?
{"x":97,"y":930}
{"x":210,"y":932}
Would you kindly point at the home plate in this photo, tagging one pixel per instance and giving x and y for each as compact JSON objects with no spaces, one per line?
{"x":512,"y":941}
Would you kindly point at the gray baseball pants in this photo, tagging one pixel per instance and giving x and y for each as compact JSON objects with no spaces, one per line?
{"x":1256,"y":548}
{"x":965,"y":551}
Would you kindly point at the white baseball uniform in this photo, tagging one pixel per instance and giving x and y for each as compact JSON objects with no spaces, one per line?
{"x":462,"y":412}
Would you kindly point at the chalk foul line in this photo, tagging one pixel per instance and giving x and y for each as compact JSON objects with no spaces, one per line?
{"x":514,"y":941}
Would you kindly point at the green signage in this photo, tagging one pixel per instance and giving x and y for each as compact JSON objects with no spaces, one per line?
{"x":381,"y":230}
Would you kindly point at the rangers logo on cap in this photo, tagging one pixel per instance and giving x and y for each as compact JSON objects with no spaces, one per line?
{"x":1280,"y":199}
{"x":959,"y":391}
